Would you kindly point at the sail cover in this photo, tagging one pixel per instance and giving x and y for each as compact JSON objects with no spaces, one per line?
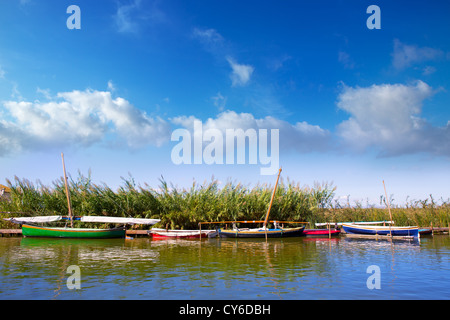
{"x":118,"y":220}
{"x":101,"y":219}
{"x":38,"y":219}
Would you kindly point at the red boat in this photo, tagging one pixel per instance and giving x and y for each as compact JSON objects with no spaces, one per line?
{"x":159,"y":233}
{"x":321,"y":232}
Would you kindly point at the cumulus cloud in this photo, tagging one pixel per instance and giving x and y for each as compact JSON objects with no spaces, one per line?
{"x":405,"y":55}
{"x":80,"y":118}
{"x":240,"y":74}
{"x":388,"y":117}
{"x":301,"y":136}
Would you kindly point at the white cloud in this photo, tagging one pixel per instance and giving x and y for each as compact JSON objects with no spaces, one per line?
{"x":123,"y":17}
{"x":387,"y":117}
{"x":208,"y":36}
{"x":80,"y":118}
{"x":240,"y":74}
{"x":219,"y":101}
{"x":344,"y":58}
{"x":406,"y":55}
{"x":129,"y":17}
{"x":301,"y":137}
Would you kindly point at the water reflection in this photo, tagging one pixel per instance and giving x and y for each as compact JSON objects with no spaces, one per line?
{"x":291,"y":268}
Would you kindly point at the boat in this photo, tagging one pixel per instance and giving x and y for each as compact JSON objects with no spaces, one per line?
{"x":261,"y":232}
{"x":321,"y":232}
{"x":425,"y":231}
{"x":160,"y":233}
{"x":371,"y":229}
{"x":351,"y":228}
{"x":64,"y":232}
{"x":31,"y":229}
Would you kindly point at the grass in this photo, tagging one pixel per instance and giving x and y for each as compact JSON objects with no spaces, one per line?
{"x":185,"y":208}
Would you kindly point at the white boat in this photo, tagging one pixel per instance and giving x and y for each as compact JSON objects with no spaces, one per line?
{"x":165,"y":233}
{"x":411,"y":231}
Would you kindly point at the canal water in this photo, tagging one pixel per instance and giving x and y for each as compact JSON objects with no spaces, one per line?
{"x":218,"y":269}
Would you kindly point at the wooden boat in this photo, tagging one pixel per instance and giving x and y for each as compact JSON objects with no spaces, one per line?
{"x":30,"y":229}
{"x":160,"y":233}
{"x":264,"y":232}
{"x":261,"y":233}
{"x":55,"y":232}
{"x":411,"y":231}
{"x":321,"y":232}
{"x":425,"y":231}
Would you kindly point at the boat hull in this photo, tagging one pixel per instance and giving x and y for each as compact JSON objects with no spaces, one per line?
{"x":178,"y":234}
{"x":425,"y":231}
{"x":52,"y":232}
{"x":381,"y":230}
{"x":321,"y":232}
{"x":259,"y":233}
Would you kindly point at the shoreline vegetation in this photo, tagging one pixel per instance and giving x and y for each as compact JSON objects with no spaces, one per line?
{"x":207,"y":202}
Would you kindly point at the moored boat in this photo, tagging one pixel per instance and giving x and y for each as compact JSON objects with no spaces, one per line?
{"x":411,"y":231}
{"x":321,"y":232}
{"x":160,"y":233}
{"x":261,"y":233}
{"x":62,"y":232}
{"x":31,"y":229}
{"x":425,"y":231}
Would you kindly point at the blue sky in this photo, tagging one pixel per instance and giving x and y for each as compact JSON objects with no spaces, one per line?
{"x":353,"y":105}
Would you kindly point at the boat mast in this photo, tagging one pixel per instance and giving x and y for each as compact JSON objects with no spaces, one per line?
{"x":389,"y":208}
{"x":69,"y":204}
{"x":271,"y":200}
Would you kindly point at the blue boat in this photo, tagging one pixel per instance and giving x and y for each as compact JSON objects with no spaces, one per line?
{"x":261,"y":233}
{"x":380,"y":230}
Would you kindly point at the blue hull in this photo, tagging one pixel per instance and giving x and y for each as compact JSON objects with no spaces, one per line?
{"x":270,"y":233}
{"x":371,"y":230}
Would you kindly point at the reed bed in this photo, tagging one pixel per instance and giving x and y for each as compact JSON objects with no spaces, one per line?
{"x":207,"y":202}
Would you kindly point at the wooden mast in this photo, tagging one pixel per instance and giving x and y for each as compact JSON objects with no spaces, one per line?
{"x":69,"y":204}
{"x":271,"y":200}
{"x":389,"y":208}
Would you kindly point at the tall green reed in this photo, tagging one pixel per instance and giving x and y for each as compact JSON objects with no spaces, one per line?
{"x":208,"y":202}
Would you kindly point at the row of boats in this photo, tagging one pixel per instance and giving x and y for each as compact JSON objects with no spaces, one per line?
{"x":31,"y":227}
{"x":358,"y":228}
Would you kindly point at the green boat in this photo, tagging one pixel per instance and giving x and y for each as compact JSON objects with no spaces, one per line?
{"x":55,"y":232}
{"x":31,"y":229}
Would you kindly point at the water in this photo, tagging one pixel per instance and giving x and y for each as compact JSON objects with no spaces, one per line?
{"x":218,"y":269}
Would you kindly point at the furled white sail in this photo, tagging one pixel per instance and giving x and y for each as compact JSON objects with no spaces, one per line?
{"x":100,"y":219}
{"x":322,"y":224}
{"x":119,"y":220}
{"x":39,"y":219}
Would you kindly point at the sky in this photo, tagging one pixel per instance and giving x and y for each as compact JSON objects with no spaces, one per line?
{"x":345,"y":94}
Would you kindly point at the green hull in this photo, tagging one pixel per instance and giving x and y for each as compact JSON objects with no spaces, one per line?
{"x":36,"y":231}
